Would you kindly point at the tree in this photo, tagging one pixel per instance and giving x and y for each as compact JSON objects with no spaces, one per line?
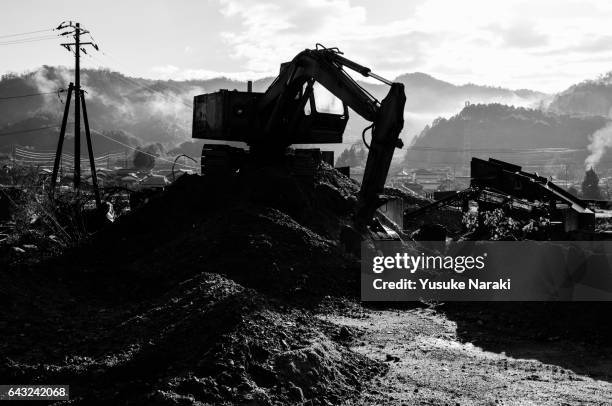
{"x":143,"y":159}
{"x":590,"y":185}
{"x":356,"y":155}
{"x":573,"y":191}
{"x":346,"y":158}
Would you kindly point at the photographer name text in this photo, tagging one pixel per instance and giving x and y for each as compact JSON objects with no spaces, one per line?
{"x":427,"y":284}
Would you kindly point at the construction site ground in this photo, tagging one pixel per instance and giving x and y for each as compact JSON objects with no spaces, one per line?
{"x":435,"y":358}
{"x":239,"y":291}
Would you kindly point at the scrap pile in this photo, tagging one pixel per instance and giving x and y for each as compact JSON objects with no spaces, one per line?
{"x":500,"y":190}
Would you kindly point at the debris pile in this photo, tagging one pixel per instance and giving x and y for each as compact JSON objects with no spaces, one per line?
{"x":201,"y":296}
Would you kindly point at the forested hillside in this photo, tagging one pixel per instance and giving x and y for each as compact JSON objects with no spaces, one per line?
{"x":141,"y":111}
{"x":520,"y":135}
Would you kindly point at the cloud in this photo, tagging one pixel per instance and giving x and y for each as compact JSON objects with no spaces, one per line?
{"x":521,"y":35}
{"x":173,"y":72}
{"x":165,"y":70}
{"x":274,"y":31}
{"x":277,"y":29}
{"x":595,"y":45}
{"x":491,"y":42}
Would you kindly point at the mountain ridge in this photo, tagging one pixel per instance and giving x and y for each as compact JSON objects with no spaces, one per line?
{"x":160,"y":111}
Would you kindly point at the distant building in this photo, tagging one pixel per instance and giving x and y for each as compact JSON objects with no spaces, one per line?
{"x":129,"y":180}
{"x":154,"y":182}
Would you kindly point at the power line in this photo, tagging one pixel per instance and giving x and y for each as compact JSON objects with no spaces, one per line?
{"x":26,"y":33}
{"x":30,"y":95}
{"x":26,"y":40}
{"x":29,"y":130}
{"x":141,"y":151}
{"x":38,"y":151}
{"x":32,"y":155}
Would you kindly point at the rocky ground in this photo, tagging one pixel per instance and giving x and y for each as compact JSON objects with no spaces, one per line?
{"x":432,"y":362}
{"x":240,"y":291}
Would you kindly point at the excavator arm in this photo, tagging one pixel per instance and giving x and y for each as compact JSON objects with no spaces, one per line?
{"x":386,"y":128}
{"x":286,"y":97}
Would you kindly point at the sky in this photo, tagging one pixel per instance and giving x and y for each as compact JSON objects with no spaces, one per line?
{"x":538,"y":44}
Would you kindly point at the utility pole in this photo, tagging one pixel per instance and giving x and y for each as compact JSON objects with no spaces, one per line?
{"x":77,"y":106}
{"x":60,"y":142}
{"x":79,"y":101}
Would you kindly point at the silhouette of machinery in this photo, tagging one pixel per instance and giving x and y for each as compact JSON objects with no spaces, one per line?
{"x":308,"y":103}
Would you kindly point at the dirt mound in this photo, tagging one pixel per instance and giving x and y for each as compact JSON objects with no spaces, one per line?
{"x":211,"y":341}
{"x":201,"y":296}
{"x":268,"y":230}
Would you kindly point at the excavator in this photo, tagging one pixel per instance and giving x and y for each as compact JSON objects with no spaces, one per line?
{"x":297,"y":109}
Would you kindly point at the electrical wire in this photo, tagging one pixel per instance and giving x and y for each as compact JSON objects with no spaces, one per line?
{"x":26,"y":40}
{"x":28,"y":131}
{"x":26,"y":33}
{"x":44,"y":151}
{"x":65,"y":156}
{"x":28,"y":95}
{"x":143,"y":152}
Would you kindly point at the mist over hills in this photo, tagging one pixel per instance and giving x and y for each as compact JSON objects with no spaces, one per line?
{"x":576,"y":120}
{"x":425,"y":93}
{"x":590,"y":97}
{"x":530,"y":137}
{"x":428,"y":98}
{"x":134,"y":111}
{"x":442,"y":120}
{"x":137,"y":111}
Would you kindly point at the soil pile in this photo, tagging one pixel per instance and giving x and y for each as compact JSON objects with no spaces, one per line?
{"x":208,"y":341}
{"x":266,"y":229}
{"x":199,"y":297}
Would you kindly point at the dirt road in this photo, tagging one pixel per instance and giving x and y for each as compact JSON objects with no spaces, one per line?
{"x":430,"y":365}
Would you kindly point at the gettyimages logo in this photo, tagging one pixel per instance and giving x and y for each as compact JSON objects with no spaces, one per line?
{"x":413,"y":263}
{"x":487,"y":271}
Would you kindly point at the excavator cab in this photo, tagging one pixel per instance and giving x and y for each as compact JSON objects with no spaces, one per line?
{"x":233,"y":116}
{"x":324,"y":118}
